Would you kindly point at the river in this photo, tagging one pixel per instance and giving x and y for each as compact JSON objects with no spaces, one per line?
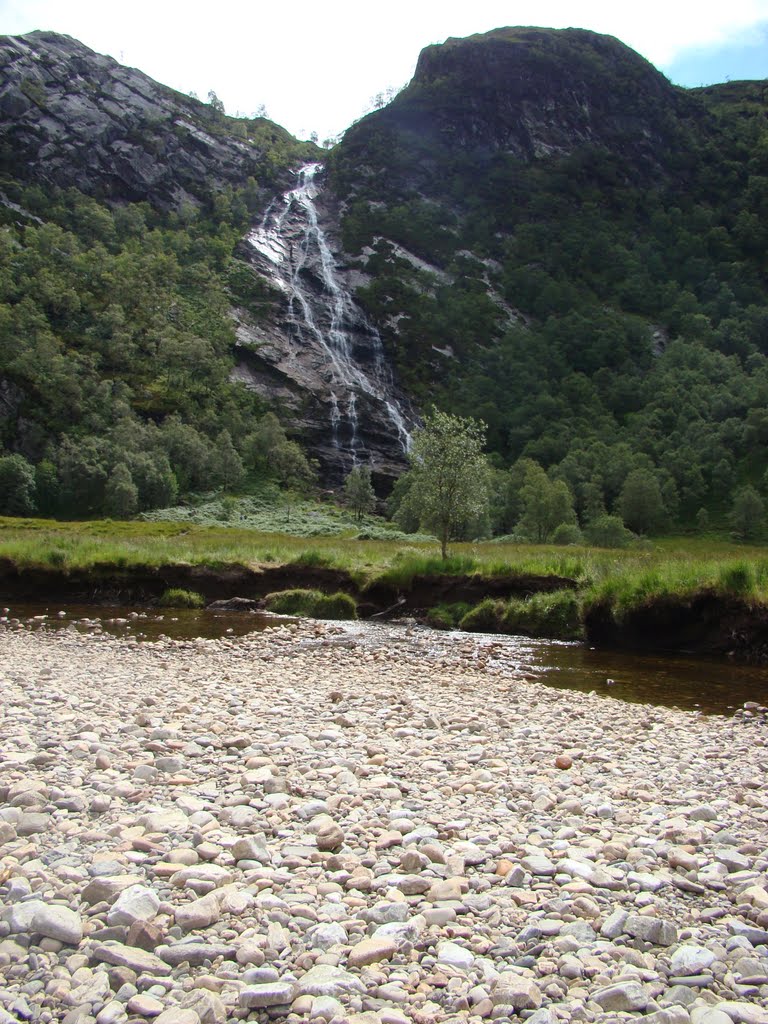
{"x":716,"y":687}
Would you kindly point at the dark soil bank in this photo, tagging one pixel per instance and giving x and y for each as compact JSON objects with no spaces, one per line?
{"x":705,"y":623}
{"x":145,"y":584}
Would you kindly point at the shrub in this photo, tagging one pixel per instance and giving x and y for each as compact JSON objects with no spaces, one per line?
{"x":312,"y":559}
{"x":335,"y":606}
{"x":607,"y":532}
{"x":567,"y":533}
{"x":312,"y":603}
{"x":738,"y":578}
{"x":447,"y":616}
{"x":177,"y":597}
{"x":556,"y":615}
{"x":484,"y":617}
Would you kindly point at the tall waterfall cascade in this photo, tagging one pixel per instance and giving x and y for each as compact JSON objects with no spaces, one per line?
{"x":329,"y":343}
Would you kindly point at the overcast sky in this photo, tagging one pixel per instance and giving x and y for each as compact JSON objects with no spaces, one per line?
{"x":316,"y":65}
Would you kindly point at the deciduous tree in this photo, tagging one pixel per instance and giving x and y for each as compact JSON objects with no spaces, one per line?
{"x":449,"y":475}
{"x":358,"y":491}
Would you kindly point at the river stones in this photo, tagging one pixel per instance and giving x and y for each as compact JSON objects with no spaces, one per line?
{"x":291,"y":828}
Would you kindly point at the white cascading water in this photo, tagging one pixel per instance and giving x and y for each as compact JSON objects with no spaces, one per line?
{"x":326,"y":316}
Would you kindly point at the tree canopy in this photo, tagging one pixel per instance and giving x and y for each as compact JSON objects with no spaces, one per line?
{"x":448,"y":476}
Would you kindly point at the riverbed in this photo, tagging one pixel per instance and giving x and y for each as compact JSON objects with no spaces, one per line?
{"x":710,"y":685}
{"x":316,"y":821}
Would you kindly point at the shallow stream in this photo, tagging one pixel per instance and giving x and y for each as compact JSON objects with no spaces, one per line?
{"x":710,"y":686}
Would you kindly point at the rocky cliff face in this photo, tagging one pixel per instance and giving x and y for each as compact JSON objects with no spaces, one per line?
{"x":70,"y":117}
{"x":537,"y":93}
{"x":319,"y":355}
{"x":74,"y":118}
{"x":526,"y":93}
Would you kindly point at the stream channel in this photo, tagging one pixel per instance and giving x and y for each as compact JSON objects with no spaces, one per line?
{"x":696,"y":684}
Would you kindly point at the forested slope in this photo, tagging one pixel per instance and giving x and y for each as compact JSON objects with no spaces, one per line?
{"x":560,"y":241}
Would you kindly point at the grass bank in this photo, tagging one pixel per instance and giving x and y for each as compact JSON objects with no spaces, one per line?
{"x":647,"y":595}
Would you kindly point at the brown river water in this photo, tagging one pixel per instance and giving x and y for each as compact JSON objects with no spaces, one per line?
{"x":710,"y":686}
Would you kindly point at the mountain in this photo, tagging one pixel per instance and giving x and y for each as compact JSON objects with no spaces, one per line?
{"x":70,"y":117}
{"x":539,"y":230}
{"x":139,"y":202}
{"x":552,"y":236}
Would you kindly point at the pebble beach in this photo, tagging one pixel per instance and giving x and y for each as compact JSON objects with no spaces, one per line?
{"x":322,"y":823}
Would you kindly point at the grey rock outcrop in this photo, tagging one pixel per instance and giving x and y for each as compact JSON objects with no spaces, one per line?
{"x":75,"y":118}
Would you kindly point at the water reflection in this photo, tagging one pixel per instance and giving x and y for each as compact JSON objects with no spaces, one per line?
{"x":144,"y":624}
{"x":702,"y":684}
{"x":707,"y":685}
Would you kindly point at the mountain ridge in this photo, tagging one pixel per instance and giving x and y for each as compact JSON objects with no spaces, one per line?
{"x":544,"y":231}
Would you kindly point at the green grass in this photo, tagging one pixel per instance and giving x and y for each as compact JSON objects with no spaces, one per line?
{"x":447,"y":616}
{"x":312,"y":603}
{"x":177,"y":597}
{"x":624,"y":578}
{"x":556,"y":615}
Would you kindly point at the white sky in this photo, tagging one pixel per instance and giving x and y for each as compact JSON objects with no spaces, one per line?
{"x":315,"y":65}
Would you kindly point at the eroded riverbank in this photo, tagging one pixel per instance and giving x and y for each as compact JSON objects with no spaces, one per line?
{"x":300,"y":824}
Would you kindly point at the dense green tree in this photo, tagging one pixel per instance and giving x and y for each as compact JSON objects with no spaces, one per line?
{"x":121,"y":495}
{"x":607,"y":532}
{"x":641,"y":503}
{"x":152,"y":474}
{"x":747,"y":516}
{"x":82,"y":471}
{"x":546,"y":504}
{"x":17,"y":486}
{"x":448,"y":476}
{"x":226,"y":467}
{"x":358,"y":491}
{"x":273,"y":454}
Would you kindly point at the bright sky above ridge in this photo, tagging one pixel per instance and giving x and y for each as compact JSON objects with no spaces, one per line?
{"x":316,"y":65}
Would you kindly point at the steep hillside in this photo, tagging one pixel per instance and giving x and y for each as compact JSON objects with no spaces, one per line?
{"x":70,"y":117}
{"x":165,"y":194}
{"x":540,"y":230}
{"x":556,"y":238}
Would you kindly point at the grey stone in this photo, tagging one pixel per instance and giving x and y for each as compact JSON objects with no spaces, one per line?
{"x":517,"y":991}
{"x":195,"y":953}
{"x":625,"y":996}
{"x":269,"y":994}
{"x":59,"y":923}
{"x":136,"y":903}
{"x":138,"y":960}
{"x":326,"y":980}
{"x":651,"y":929}
{"x":690,"y":959}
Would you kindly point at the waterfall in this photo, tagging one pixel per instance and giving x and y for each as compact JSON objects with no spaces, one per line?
{"x":325,"y":324}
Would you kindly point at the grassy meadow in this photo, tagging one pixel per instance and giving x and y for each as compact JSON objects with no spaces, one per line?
{"x":624,"y":577}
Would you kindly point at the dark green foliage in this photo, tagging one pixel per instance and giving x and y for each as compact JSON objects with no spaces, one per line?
{"x":312,"y":559}
{"x":737,"y":578}
{"x":641,"y":502}
{"x":567,"y":533}
{"x":312,"y":603}
{"x":116,"y":349}
{"x":17,"y":486}
{"x":447,"y":616}
{"x":546,"y":505}
{"x":448,"y":486}
{"x":177,"y":597}
{"x":121,"y":495}
{"x":555,"y":615}
{"x":484,"y":617}
{"x":403,"y":570}
{"x":607,"y":532}
{"x":637,"y":330}
{"x":747,"y":516}
{"x":358,"y":491}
